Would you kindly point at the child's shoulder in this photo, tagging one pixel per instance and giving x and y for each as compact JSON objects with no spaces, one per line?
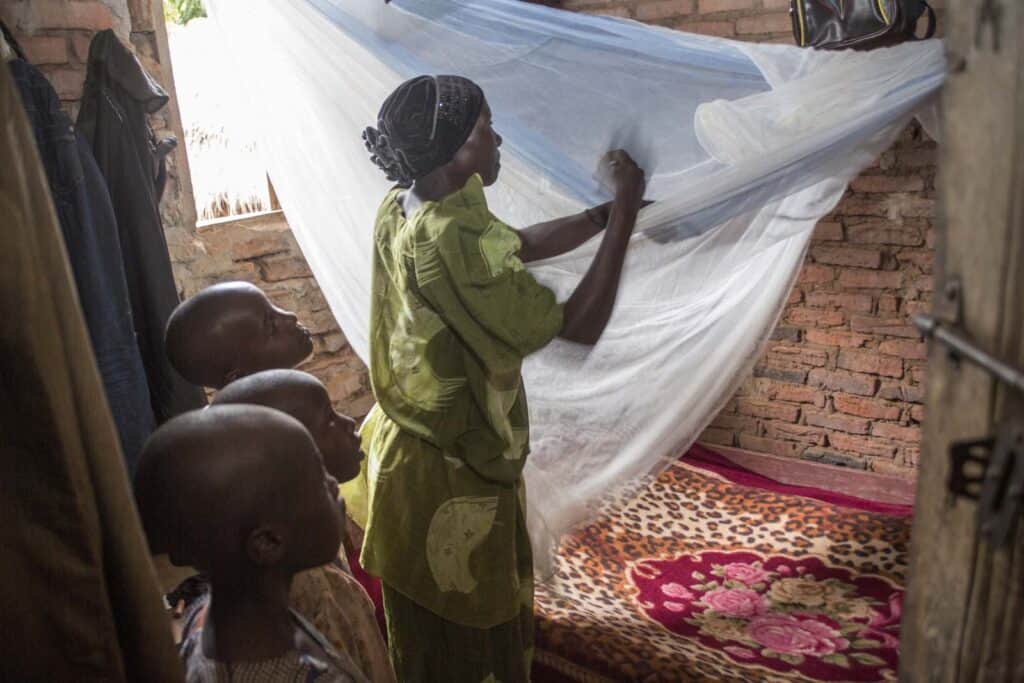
{"x":321,"y":657}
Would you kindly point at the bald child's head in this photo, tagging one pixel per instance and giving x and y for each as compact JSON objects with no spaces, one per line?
{"x":236,"y":489}
{"x":305,"y":398}
{"x":231,"y":330}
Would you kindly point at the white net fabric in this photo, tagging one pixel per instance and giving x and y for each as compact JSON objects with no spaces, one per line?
{"x":746,"y":147}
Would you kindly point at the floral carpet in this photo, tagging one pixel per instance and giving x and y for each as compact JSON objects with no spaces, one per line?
{"x":718,"y":574}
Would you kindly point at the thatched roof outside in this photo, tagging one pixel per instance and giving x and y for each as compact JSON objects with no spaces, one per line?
{"x":228,"y":174}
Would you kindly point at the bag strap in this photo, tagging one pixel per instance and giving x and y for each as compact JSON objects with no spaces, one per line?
{"x":930,"y":30}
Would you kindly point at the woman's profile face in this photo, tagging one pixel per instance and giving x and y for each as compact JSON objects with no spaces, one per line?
{"x":479,"y":154}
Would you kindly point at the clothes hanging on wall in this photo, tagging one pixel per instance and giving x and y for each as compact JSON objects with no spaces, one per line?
{"x":79,"y":595}
{"x":117,"y":98}
{"x":89,"y":226}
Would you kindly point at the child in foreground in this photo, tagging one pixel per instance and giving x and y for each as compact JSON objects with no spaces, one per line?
{"x":328,"y":596}
{"x":259,"y":509}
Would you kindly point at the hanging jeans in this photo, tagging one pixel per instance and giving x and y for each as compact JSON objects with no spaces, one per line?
{"x":90,"y":233}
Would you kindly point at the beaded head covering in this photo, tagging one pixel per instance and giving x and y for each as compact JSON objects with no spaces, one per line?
{"x":422,"y":124}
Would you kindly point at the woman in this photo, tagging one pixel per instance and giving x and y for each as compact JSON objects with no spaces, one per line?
{"x":453,"y":314}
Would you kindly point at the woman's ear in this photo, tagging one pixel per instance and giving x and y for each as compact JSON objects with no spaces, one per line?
{"x":265,"y":545}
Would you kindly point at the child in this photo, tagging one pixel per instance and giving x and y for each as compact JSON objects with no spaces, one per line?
{"x":305,"y":398}
{"x":328,"y":596}
{"x":231,"y":330}
{"x":241,"y":491}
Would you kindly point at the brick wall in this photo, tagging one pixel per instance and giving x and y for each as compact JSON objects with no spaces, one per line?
{"x":261,"y":249}
{"x":56,"y":35}
{"x":842,"y":380}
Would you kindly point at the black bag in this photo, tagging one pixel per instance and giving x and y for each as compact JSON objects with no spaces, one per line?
{"x":857,"y":24}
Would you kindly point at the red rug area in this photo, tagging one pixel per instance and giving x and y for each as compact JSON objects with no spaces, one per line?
{"x":718,"y":574}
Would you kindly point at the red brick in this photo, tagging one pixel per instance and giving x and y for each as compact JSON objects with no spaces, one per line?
{"x":813,"y":273}
{"x":320,"y":322}
{"x":795,"y":297}
{"x":916,"y":207}
{"x":836,"y":421}
{"x":45,"y":49}
{"x":799,"y":433}
{"x":782,"y":372}
{"x":769,"y":409}
{"x":876,"y":231}
{"x":884,"y":183}
{"x":67,"y":82}
{"x":888,"y":303}
{"x":90,"y":15}
{"x":830,"y":457}
{"x":786,"y":333}
{"x":828,"y":231}
{"x":901,"y":392}
{"x":735,"y":423}
{"x":918,"y":158}
{"x":799,"y":393}
{"x":712,"y":6}
{"x":771,"y":446}
{"x":610,"y":12}
{"x":917,"y":373}
{"x":80,"y":43}
{"x":870,"y":362}
{"x":912,"y":308}
{"x":862,"y":445}
{"x":847,"y":256}
{"x":894,"y":327}
{"x":925,"y":283}
{"x":911,"y":456}
{"x":874,"y":279}
{"x":803,"y":355}
{"x":812,"y":316}
{"x":917,"y":413}
{"x":905,"y":349}
{"x":724,"y":29}
{"x":663,"y":9}
{"x":862,"y":207}
{"x":835,"y":338}
{"x":890,"y":468}
{"x":764,"y":23}
{"x":922,"y":258}
{"x":863,"y":303}
{"x":775,"y":4}
{"x":840,"y":380}
{"x":274,"y":269}
{"x":721,"y":437}
{"x":866,"y":407}
{"x":887,"y":430}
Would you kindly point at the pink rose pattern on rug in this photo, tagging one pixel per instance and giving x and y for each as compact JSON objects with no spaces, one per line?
{"x":776,"y":612}
{"x":592,"y":626}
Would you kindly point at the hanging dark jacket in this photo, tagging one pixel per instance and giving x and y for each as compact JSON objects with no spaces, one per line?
{"x":80,"y":599}
{"x":118,"y":96}
{"x":89,"y":228}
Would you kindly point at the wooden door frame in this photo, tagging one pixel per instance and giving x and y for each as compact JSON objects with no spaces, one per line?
{"x":965,"y":606}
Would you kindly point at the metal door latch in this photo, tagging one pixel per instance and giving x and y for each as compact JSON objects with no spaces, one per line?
{"x":991,"y":471}
{"x":961,"y":347}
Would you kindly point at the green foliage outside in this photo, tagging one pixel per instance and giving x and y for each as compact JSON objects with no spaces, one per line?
{"x":183,"y":11}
